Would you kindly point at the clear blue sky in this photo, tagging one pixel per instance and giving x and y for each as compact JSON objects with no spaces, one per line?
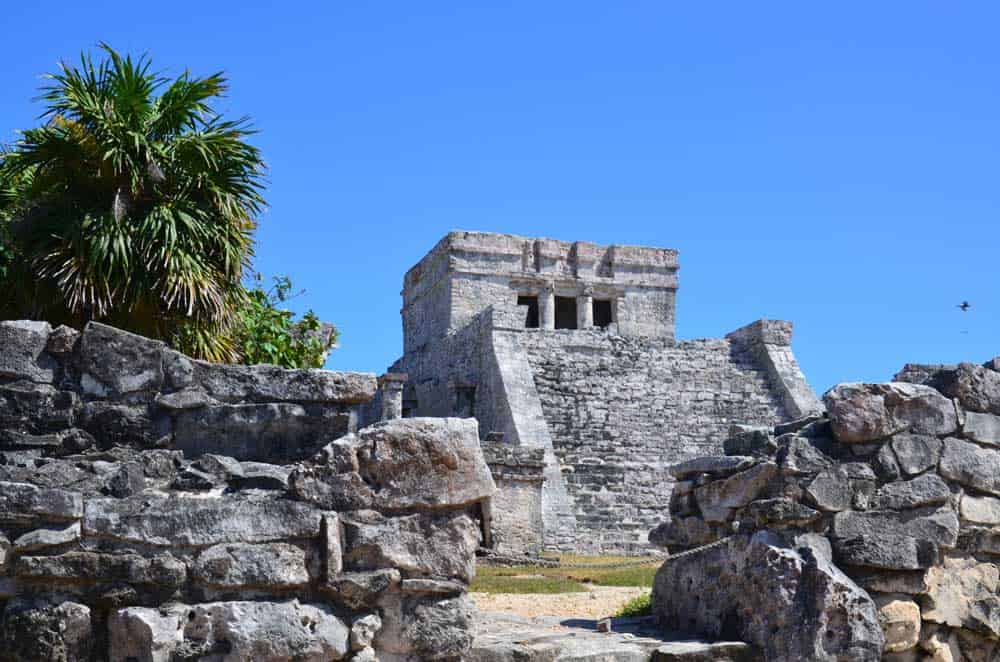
{"x":835,"y":166}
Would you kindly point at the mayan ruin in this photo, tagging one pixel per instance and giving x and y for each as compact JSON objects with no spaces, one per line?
{"x":157,"y":507}
{"x":565,"y":354}
{"x":499,"y":332}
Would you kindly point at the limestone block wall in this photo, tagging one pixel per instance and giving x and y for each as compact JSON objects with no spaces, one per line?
{"x":158,"y":508}
{"x":622,"y":410}
{"x":467,"y":272}
{"x":878,"y":522}
{"x":518,"y":473}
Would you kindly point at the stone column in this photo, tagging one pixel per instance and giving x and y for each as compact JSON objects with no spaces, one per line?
{"x":547,"y":307}
{"x":391,"y":386}
{"x":585,"y":309}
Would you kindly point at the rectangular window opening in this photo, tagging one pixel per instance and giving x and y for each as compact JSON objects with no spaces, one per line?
{"x":531,"y":322}
{"x":602,"y":313}
{"x":465,"y":401}
{"x":565,"y":313}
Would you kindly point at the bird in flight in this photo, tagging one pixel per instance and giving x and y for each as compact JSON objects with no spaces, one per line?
{"x":964,"y":306}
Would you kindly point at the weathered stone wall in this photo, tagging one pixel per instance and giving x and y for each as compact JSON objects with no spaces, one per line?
{"x":869,"y":533}
{"x":622,"y":410}
{"x":158,"y":508}
{"x":516,"y":508}
{"x":467,"y":272}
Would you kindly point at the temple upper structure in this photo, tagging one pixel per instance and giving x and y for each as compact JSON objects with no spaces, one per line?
{"x":629,"y":290}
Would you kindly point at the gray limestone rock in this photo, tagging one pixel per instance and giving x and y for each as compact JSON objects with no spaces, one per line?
{"x":190,"y":479}
{"x":798,"y":424}
{"x":419,"y":545}
{"x":424,"y":463}
{"x":971,"y":465}
{"x":144,"y":634}
{"x":920,"y":409}
{"x":438,"y":587}
{"x":42,"y":538}
{"x":700,"y":651}
{"x":178,"y":370}
{"x":363,"y":631}
{"x":887,"y":551}
{"x":858,"y":413}
{"x":791,"y":603}
{"x":163,"y":570}
{"x":936,"y":525}
{"x":925,"y":490}
{"x":263,"y":432}
{"x":916,"y":453}
{"x":46,"y":631}
{"x":24,"y":353}
{"x":241,"y":565}
{"x":361,"y":590}
{"x":268,"y":383}
{"x":976,"y":387}
{"x":261,"y":476}
{"x":126,"y":480}
{"x":54,"y":444}
{"x":259,"y":631}
{"x":830,"y":490}
{"x":885,"y":464}
{"x":333,"y":546}
{"x":777,"y":513}
{"x":22,"y":502}
{"x":62,"y":341}
{"x":194,"y":522}
{"x":714,"y":465}
{"x":365,"y":655}
{"x":113,"y":362}
{"x":984,"y":428}
{"x":757,"y":442}
{"x":223,"y":466}
{"x":718,"y":499}
{"x":115,"y":424}
{"x":6,"y":553}
{"x":160,"y":463}
{"x":324,"y":488}
{"x":425,"y":629}
{"x":681,"y":532}
{"x":37,"y":408}
{"x":907,"y":582}
{"x":799,"y":456}
{"x":191,"y":398}
{"x":861,"y":413}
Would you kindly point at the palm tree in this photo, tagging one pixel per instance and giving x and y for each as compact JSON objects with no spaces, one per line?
{"x":135,"y":204}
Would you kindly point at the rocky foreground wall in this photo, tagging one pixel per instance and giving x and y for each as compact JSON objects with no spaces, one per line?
{"x":155,"y":508}
{"x":871,"y":532}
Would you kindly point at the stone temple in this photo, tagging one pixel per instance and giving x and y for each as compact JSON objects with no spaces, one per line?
{"x":566,"y":354}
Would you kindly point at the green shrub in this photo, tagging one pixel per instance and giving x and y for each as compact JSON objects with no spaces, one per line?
{"x":638,"y":606}
{"x":268,"y":333}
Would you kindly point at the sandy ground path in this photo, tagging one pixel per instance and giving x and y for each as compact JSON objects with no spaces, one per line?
{"x":596,"y":602}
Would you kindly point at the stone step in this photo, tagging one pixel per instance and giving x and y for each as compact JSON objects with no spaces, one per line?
{"x":507,"y":638}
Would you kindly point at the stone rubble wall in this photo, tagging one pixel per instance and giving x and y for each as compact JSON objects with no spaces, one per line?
{"x":622,"y":410}
{"x":870,"y":532}
{"x":155,"y":508}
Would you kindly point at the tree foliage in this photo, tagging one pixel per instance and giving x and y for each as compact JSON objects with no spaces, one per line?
{"x":134,"y":204}
{"x":269,"y":332}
